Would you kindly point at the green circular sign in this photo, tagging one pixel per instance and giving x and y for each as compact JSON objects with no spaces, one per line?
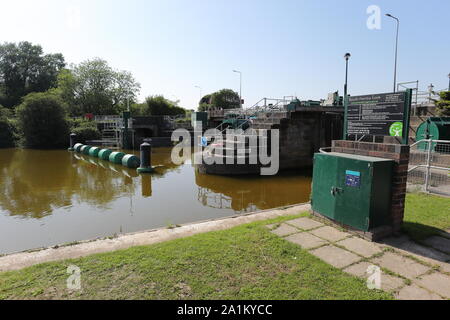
{"x":396,"y":129}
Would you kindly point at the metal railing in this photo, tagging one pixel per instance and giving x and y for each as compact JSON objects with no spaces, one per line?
{"x":429,"y":166}
{"x":266,"y":106}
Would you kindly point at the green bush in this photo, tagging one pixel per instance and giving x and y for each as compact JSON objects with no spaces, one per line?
{"x":223,"y":99}
{"x":42,"y":121}
{"x":443,"y":105}
{"x":160,"y":106}
{"x":85,"y":130}
{"x":7,"y":130}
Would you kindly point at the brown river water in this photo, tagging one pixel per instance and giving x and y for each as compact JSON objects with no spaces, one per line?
{"x":56,"y":197}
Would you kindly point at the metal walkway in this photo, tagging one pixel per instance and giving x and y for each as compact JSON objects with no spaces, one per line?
{"x":110,"y":131}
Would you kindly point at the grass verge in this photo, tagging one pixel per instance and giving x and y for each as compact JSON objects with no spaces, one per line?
{"x":426,"y":215}
{"x":246,"y":262}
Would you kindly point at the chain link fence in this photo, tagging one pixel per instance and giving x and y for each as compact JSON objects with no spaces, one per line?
{"x":429,"y":167}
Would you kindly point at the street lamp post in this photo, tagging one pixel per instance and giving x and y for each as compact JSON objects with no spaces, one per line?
{"x":449,"y":82}
{"x":396,"y":49}
{"x":200,"y":88}
{"x":240,"y":87}
{"x":346,"y":57}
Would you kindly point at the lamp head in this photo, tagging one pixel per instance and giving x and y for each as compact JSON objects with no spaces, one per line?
{"x":391,"y":16}
{"x":347,"y":56}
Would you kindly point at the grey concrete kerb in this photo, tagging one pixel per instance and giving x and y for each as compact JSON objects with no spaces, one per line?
{"x":25,"y":259}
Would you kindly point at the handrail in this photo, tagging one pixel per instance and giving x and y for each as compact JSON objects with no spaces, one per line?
{"x":428,"y":140}
{"x":322,"y":150}
{"x":279,"y":106}
{"x":425,"y":166}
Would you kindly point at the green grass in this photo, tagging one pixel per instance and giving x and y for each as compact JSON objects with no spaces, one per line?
{"x":426,"y":215}
{"x":246,"y":262}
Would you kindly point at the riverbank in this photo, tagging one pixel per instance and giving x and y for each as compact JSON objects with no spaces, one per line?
{"x":247,"y":261}
{"x":82,"y":249}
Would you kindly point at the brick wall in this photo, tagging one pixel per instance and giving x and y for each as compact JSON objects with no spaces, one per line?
{"x":396,"y":152}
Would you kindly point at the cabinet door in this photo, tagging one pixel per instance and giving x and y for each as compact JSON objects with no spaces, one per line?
{"x":324,"y":180}
{"x":354,"y":183}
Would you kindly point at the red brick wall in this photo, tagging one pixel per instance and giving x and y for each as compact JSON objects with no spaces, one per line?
{"x":396,"y":152}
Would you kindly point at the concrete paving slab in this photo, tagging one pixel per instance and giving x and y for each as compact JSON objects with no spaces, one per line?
{"x":413,"y":292}
{"x":444,"y":266}
{"x":391,"y":283}
{"x":306,"y":240}
{"x":335,"y":256}
{"x":284,"y":230}
{"x":305,"y":223}
{"x":394,"y":241}
{"x":271,"y":226}
{"x":439,"y":243}
{"x":426,"y":254}
{"x":436,"y":282}
{"x":362,"y":247}
{"x":330,"y":234}
{"x":359,"y":269}
{"x":388,"y":282}
{"x":403,"y":266}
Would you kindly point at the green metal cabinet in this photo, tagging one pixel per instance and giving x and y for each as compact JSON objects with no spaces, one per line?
{"x":352,"y":190}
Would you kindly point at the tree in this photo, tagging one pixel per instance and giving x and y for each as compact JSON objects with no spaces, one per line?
{"x":223,"y":99}
{"x":42,"y":121}
{"x":443,"y":105}
{"x":7,"y":139}
{"x":94,"y":87}
{"x":160,"y":106}
{"x":205,"y":103}
{"x":24,"y":68}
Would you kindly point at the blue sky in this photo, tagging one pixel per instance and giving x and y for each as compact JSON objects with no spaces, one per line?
{"x":282,"y":47}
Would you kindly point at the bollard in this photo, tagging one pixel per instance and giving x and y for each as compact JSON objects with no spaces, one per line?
{"x":146,"y":158}
{"x":72,"y":142}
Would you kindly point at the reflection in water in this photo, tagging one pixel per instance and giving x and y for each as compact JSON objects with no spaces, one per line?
{"x":53,"y":197}
{"x":252,"y":193}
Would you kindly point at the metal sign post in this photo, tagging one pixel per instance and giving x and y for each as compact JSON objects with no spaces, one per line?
{"x":407,"y":116}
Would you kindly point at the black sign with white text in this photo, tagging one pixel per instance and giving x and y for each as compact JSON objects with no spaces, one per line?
{"x":377,"y":114}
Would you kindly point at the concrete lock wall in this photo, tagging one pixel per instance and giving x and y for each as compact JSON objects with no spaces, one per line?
{"x":304,"y":134}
